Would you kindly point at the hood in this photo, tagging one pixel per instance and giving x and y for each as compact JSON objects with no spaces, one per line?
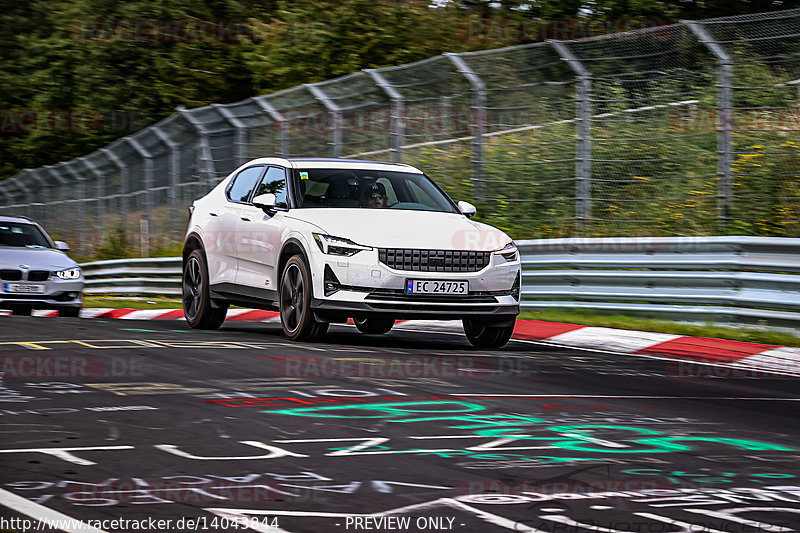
{"x":36,"y":258}
{"x":396,"y":228}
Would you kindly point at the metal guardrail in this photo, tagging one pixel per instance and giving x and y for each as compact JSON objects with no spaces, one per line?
{"x":724,"y":280}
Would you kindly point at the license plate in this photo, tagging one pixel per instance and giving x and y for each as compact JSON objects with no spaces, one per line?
{"x":432,"y":286}
{"x":26,"y":288}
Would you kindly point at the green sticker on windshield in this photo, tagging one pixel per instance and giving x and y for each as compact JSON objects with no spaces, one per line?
{"x":304,"y":175}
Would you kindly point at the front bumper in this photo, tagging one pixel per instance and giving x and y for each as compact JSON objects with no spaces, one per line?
{"x":59,"y":294}
{"x":365,"y":286}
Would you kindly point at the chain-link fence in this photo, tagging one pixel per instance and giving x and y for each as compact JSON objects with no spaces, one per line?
{"x":686,"y":129}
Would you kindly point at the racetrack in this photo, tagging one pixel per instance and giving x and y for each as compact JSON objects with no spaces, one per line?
{"x":411,"y":431}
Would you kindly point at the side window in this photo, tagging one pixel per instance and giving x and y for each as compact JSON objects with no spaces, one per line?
{"x":244,"y":183}
{"x":274,"y":182}
{"x":421,"y":196}
{"x":391,"y":196}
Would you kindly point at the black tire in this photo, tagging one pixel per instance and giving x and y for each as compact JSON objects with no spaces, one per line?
{"x":374,"y":325}
{"x":197,"y":307}
{"x":294,"y":294}
{"x":488,"y":337}
{"x":71,"y":312}
{"x":22,"y":311}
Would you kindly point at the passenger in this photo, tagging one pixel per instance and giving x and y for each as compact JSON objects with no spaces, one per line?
{"x":374,"y":196}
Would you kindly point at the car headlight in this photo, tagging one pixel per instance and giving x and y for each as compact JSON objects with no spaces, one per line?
{"x":509,"y":251}
{"x":70,"y":273}
{"x":337,"y":245}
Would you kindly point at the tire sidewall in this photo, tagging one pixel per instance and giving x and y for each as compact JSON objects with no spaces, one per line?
{"x":305,"y":315}
{"x":205,"y":299}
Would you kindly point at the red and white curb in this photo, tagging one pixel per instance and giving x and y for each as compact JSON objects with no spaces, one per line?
{"x":748,"y":356}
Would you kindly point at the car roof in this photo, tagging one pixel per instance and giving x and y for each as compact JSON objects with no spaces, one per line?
{"x":18,"y":220}
{"x":320,"y":162}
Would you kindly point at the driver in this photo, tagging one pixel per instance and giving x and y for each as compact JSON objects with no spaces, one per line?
{"x":374,"y":196}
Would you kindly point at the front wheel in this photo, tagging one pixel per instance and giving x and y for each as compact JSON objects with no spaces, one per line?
{"x":297,"y":319}
{"x":374,"y":325}
{"x":72,"y":312}
{"x":482,"y":336}
{"x":197,"y":306}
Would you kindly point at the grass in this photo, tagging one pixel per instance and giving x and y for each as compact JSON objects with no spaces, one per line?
{"x":586,"y":318}
{"x":150,"y":303}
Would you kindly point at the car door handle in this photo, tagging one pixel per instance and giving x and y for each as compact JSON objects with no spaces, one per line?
{"x":246,"y":219}
{"x":212,"y":214}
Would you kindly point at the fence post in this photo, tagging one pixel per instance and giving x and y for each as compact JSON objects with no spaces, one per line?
{"x":80,"y":193}
{"x":148,"y":175}
{"x":280,"y":120}
{"x":174,"y":173}
{"x":336,"y":115}
{"x":123,"y":185}
{"x":479,"y":108}
{"x":99,"y":192}
{"x":398,"y":112}
{"x":583,"y":166}
{"x":725,"y":101}
{"x":240,"y":144}
{"x":206,"y":157}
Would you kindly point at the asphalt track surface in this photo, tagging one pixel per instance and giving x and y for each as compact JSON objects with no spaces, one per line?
{"x":112,"y":420}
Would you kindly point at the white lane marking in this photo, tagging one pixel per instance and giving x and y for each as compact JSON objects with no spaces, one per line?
{"x":45,"y":514}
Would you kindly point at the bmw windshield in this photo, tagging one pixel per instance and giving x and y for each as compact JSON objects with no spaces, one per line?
{"x":22,"y":235}
{"x":369,"y":189}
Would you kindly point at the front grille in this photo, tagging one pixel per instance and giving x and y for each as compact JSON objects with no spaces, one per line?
{"x":10,"y":275}
{"x":433,"y":260}
{"x":38,"y":275}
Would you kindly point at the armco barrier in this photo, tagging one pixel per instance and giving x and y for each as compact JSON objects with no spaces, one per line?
{"x":734,"y":280}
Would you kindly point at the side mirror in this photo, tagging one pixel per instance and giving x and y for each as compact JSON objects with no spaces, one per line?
{"x":266,"y":202}
{"x":467,"y":209}
{"x":61,"y":245}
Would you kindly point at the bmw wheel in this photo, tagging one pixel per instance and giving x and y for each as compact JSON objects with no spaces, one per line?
{"x":297,"y":319}
{"x":482,"y":336}
{"x":200,"y":313}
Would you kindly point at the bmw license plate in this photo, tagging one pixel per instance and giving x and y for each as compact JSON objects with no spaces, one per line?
{"x":432,"y":286}
{"x":23,"y":288}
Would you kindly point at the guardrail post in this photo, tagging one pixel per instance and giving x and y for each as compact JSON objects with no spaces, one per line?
{"x":280,"y":120}
{"x":123,"y":185}
{"x":336,"y":115}
{"x":240,"y":142}
{"x":398,"y":112}
{"x":479,"y":119}
{"x":583,"y":166}
{"x":725,"y":102}
{"x":174,"y":174}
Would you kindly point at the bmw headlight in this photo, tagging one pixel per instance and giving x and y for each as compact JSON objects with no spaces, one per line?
{"x":509,"y":251}
{"x":70,"y":273}
{"x":337,"y":245}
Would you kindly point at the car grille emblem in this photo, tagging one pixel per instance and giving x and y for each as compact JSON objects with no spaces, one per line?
{"x":24,"y":267}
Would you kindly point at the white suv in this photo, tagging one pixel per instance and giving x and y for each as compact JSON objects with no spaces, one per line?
{"x":324,"y":240}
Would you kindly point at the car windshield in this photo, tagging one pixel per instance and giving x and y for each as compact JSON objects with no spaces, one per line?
{"x":23,"y":235}
{"x":369,"y":189}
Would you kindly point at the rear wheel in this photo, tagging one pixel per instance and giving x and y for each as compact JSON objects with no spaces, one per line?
{"x":295,"y":294}
{"x":374,"y":325}
{"x":197,"y":306}
{"x":22,"y":311}
{"x":481,"y":335}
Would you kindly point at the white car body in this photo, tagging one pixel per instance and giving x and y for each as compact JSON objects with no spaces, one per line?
{"x":246,"y":247}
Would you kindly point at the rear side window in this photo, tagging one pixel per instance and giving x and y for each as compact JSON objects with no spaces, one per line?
{"x":274,"y":182}
{"x":244,"y":183}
